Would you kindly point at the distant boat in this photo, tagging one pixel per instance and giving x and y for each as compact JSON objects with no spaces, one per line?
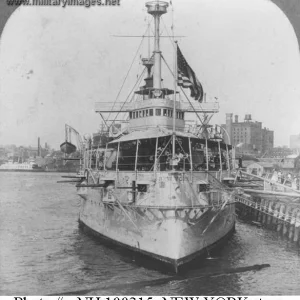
{"x":30,"y":166}
{"x":68,"y":147}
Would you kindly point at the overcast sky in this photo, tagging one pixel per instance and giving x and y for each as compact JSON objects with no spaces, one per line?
{"x":56,"y":62}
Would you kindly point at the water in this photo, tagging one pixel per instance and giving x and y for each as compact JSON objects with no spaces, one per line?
{"x":44,"y":252}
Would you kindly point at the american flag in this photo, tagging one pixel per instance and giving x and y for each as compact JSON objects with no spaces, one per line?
{"x":187,"y":77}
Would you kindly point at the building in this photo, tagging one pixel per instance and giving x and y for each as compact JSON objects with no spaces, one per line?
{"x":279,"y":152}
{"x":21,"y":153}
{"x":286,"y":166}
{"x":249,"y":137}
{"x":258,"y":168}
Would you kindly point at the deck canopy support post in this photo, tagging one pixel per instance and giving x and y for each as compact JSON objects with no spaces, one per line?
{"x":191,"y":158}
{"x":104,"y":160}
{"x":136,"y":155}
{"x":228,"y":161}
{"x":220,"y":158}
{"x":117,"y":164}
{"x":206,"y":153}
{"x":155,"y":156}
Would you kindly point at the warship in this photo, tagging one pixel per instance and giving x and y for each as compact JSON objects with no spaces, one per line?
{"x":155,"y":186}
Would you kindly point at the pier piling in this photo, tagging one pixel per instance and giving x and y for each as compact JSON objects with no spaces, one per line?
{"x":281,"y":217}
{"x":279,"y":214}
{"x":260,"y":211}
{"x":286,"y":223}
{"x":270,"y":213}
{"x":275,"y":215}
{"x":297,"y":227}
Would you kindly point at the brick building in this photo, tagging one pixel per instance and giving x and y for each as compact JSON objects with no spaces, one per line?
{"x":249,"y":137}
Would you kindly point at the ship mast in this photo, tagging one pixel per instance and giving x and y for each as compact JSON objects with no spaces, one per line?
{"x":156,"y":9}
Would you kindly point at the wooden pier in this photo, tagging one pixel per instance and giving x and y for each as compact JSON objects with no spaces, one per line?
{"x":270,"y":210}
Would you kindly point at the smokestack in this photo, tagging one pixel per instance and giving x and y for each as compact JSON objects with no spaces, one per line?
{"x":247,"y":118}
{"x":229,"y":128}
{"x":236,"y":118}
{"x":39,"y":147}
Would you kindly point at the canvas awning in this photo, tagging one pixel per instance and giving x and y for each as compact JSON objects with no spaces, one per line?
{"x":161,"y":132}
{"x":150,"y":133}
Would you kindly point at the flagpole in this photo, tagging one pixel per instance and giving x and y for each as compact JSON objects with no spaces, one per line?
{"x":174,"y":100}
{"x":175,"y":89}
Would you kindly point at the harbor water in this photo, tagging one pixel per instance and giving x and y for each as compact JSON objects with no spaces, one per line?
{"x":43,"y":252}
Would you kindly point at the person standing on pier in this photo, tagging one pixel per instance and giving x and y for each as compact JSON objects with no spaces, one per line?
{"x":274,"y":176}
{"x":240,"y":162}
{"x":279,"y":176}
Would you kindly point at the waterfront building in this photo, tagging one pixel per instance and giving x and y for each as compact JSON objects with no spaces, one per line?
{"x":249,"y":137}
{"x":279,"y":153}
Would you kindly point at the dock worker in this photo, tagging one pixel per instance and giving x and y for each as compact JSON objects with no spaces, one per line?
{"x":240,"y":162}
{"x":275,"y":176}
{"x":279,"y":175}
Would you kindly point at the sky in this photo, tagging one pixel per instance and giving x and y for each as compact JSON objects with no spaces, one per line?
{"x":55,"y":63}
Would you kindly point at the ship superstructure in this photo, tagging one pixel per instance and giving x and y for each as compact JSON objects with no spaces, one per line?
{"x":16,"y":166}
{"x":155,"y":188}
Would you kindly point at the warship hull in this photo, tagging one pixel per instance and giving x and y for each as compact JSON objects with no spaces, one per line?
{"x":155,"y":187}
{"x":173,"y":235}
{"x":169,"y":264}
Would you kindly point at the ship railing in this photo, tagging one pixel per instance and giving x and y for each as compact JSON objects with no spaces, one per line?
{"x":123,"y":107}
{"x":94,"y":159}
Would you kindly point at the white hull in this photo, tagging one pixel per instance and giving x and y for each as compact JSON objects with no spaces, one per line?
{"x":173,"y":235}
{"x":151,"y":185}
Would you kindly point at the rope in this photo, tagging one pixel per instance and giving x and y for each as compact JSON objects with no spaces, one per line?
{"x":129,"y":70}
{"x":128,"y":96}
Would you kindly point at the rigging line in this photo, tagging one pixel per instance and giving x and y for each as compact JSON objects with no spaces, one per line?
{"x":104,"y":120}
{"x":132,"y":98}
{"x":167,"y":65}
{"x":182,"y":90}
{"x":170,"y":36}
{"x":139,"y":79}
{"x":129,"y":70}
{"x":191,"y":105}
{"x":128,"y":97}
